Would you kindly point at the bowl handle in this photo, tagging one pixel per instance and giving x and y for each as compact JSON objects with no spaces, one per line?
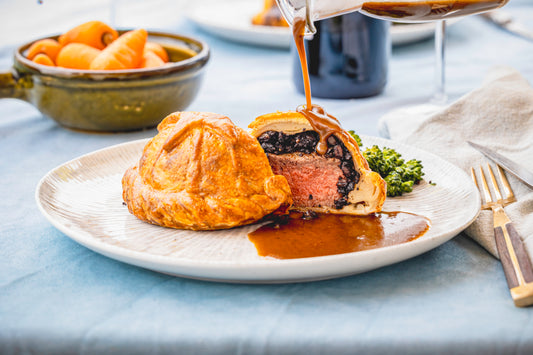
{"x":14,"y":87}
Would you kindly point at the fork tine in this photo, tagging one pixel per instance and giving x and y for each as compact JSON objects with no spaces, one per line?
{"x":473,"y":174}
{"x":486,"y":190}
{"x":509,"y":195}
{"x":499,"y":197}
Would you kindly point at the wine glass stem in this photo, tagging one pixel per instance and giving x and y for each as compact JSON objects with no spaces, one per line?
{"x":439,"y":95}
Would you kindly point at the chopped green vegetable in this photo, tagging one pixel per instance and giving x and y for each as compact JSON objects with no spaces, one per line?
{"x":382,"y":161}
{"x":411,"y":170}
{"x":396,"y":186}
{"x":356,"y":137}
{"x":399,"y":175}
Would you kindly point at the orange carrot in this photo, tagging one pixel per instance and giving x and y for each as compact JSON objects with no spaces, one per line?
{"x":93,"y":33}
{"x":77,"y":56}
{"x":43,"y":59}
{"x":151,"y":60}
{"x":157,"y":49}
{"x":124,"y":53}
{"x":47,"y":46}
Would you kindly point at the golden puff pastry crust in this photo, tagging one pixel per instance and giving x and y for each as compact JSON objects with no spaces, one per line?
{"x":369,"y":190}
{"x":202,"y":172}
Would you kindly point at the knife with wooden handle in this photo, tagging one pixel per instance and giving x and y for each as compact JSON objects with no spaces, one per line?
{"x":513,"y":167}
{"x":507,"y":22}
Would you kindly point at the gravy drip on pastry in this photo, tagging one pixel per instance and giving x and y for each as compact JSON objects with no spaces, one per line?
{"x":322,"y":122}
{"x":333,"y":176}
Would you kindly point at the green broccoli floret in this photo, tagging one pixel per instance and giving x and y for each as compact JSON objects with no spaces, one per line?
{"x":356,"y":137}
{"x":412,"y":170}
{"x":399,"y":175}
{"x":383,"y":161}
{"x":396,"y":185}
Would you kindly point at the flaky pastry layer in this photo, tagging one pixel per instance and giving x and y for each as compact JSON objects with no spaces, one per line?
{"x":201,"y":172}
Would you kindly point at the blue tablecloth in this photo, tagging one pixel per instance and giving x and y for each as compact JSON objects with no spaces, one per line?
{"x":58,"y":297}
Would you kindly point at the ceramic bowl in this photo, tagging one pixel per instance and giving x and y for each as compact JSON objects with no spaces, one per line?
{"x":111,"y":100}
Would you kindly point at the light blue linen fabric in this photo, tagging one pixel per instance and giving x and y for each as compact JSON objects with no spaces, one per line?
{"x":57,"y":297}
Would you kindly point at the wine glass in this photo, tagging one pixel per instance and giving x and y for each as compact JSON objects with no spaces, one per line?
{"x":438,"y":11}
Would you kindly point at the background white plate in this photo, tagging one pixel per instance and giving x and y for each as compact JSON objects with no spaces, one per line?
{"x":83,"y":199}
{"x":231,"y":20}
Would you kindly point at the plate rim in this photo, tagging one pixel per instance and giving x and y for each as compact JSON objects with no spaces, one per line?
{"x":121,"y":253}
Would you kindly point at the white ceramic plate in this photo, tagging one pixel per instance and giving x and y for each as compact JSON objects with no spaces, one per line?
{"x":231,"y":20}
{"x":83,"y":199}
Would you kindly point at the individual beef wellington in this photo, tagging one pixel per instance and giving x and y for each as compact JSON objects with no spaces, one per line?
{"x":201,"y":172}
{"x":338,"y":181}
{"x":270,"y":15}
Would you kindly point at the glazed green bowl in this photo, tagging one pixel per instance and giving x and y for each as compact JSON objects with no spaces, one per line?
{"x":111,"y":100}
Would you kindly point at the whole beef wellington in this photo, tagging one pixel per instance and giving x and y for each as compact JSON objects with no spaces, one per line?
{"x":338,"y":181}
{"x":202,"y":172}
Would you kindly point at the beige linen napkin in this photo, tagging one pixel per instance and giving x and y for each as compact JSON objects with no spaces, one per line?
{"x":499,"y":114}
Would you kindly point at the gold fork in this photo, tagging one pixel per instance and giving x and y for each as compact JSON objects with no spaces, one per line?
{"x":513,"y":255}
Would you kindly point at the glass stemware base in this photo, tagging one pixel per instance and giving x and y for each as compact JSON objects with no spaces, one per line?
{"x":411,"y":116}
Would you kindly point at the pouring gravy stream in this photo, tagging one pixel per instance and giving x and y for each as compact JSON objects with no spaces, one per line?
{"x":295,"y":236}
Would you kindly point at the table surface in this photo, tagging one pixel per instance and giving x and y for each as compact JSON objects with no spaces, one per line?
{"x":59,"y":297}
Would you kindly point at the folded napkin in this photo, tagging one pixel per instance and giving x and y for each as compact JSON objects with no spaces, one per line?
{"x":499,"y":114}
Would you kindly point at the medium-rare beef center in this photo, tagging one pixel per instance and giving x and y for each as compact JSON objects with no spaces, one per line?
{"x":295,"y":156}
{"x":336,"y":180}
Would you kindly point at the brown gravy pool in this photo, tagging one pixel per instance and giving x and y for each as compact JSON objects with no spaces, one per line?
{"x":330,"y":234}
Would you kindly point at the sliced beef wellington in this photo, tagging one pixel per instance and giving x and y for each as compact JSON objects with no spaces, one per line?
{"x":338,"y":181}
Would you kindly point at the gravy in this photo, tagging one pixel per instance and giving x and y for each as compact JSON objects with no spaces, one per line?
{"x":327,"y":234}
{"x":323,"y":123}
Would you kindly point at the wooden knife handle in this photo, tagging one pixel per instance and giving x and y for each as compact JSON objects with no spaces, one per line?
{"x":516,"y":264}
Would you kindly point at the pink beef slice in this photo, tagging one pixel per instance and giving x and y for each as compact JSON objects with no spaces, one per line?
{"x":311,"y":177}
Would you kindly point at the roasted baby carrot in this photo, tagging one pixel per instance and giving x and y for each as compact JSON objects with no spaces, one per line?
{"x":76,"y":56}
{"x":43,"y":59}
{"x":151,"y":60}
{"x":157,"y":49}
{"x":47,"y":46}
{"x":124,"y":53}
{"x":93,"y":33}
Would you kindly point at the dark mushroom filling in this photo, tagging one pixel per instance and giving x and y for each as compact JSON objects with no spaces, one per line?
{"x":278,"y":143}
